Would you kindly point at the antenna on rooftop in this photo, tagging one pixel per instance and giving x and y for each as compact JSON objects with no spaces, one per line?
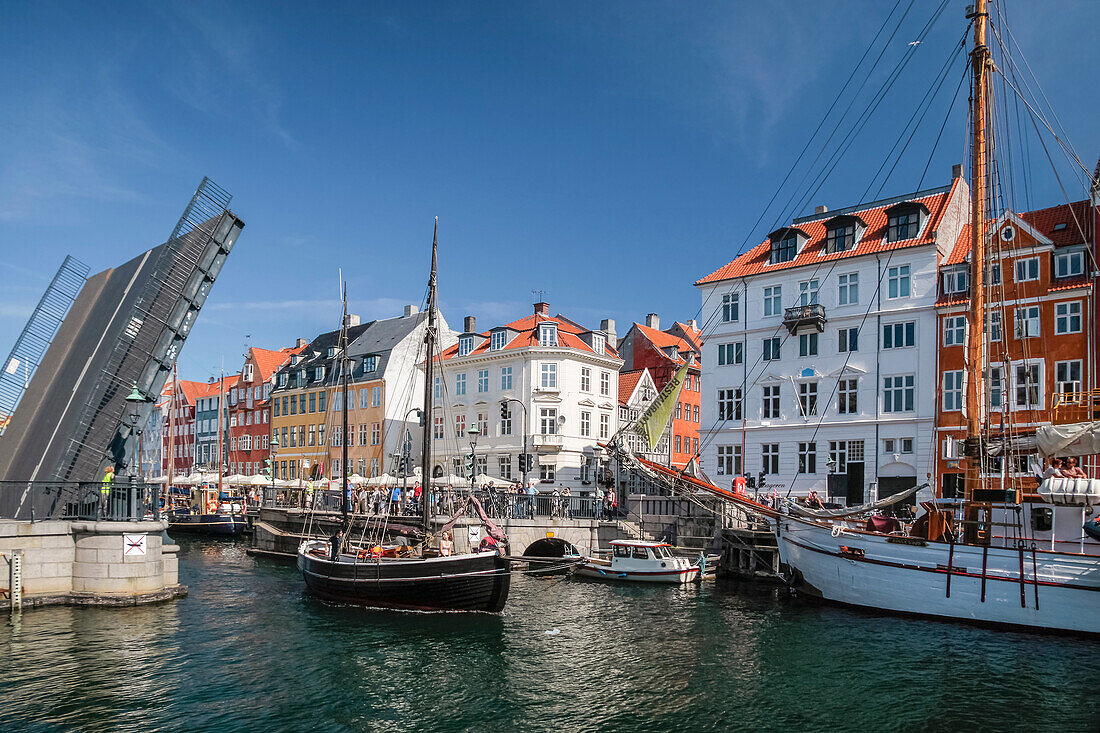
{"x":540,"y":295}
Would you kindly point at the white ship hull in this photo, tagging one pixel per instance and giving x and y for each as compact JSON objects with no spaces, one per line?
{"x":1059,"y":591}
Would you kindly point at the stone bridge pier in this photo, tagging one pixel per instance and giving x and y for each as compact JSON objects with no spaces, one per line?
{"x":580,"y":535}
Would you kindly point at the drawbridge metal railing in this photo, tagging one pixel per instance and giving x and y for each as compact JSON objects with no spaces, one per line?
{"x":23,"y":361}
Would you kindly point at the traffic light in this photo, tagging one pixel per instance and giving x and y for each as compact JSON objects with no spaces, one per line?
{"x":526,"y":462}
{"x":267,"y":466}
{"x":503,"y":410}
{"x":470,"y":466}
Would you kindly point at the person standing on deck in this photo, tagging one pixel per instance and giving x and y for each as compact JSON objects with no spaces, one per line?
{"x":105,"y":486}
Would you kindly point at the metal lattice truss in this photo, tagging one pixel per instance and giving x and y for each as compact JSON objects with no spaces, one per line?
{"x":26,"y":355}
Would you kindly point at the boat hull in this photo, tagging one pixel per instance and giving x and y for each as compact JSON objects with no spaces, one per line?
{"x":1049,"y":591}
{"x":475,"y":582}
{"x":217,"y":525}
{"x":605,"y":572}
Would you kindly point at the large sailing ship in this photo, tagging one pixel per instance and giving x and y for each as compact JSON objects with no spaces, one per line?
{"x":1002,"y":552}
{"x":417,"y":578}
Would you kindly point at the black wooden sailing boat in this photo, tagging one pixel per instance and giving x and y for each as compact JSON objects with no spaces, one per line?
{"x":427,"y":581}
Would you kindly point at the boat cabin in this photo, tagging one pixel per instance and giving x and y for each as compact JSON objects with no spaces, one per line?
{"x":639,"y":550}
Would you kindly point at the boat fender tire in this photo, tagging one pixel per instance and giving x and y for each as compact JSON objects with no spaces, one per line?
{"x":796,"y":578}
{"x":662,"y":565}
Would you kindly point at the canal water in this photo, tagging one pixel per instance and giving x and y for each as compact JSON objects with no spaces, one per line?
{"x":248,"y":650}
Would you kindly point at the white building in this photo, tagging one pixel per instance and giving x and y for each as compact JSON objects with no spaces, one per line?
{"x":819,"y":356}
{"x":564,"y":375}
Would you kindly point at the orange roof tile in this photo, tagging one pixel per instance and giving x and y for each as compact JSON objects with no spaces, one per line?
{"x":961,"y":250}
{"x":628,"y":381}
{"x":755,"y":260}
{"x":1074,"y":217}
{"x":568,"y":336}
{"x":269,"y":361}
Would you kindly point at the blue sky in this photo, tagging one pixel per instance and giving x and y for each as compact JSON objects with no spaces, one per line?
{"x":608,"y":154}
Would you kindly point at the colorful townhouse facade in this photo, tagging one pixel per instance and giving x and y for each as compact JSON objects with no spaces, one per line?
{"x":818,"y":361}
{"x":663,"y":353}
{"x":249,"y":427}
{"x":213,"y":400}
{"x":178,"y":434}
{"x":1040,"y":337}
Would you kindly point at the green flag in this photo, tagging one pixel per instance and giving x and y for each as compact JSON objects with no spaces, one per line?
{"x":653,"y":420}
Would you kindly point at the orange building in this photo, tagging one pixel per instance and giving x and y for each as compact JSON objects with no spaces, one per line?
{"x":663,"y":353}
{"x":1039,"y":335}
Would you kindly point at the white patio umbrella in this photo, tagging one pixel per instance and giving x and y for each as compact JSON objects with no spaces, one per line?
{"x":356,"y":479}
{"x":157,"y":480}
{"x":234,"y":479}
{"x":258,"y":480}
{"x":482,"y":478}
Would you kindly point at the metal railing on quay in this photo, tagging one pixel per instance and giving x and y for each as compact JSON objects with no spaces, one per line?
{"x":81,"y":500}
{"x":445,"y":502}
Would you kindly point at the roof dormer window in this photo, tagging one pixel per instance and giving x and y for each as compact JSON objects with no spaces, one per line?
{"x":301,"y":376}
{"x":598,"y":343}
{"x":785,"y":244}
{"x":904,"y":221}
{"x":370,"y":363}
{"x":498,"y":340}
{"x":548,"y":334}
{"x":784,"y":250}
{"x":331,"y":351}
{"x":465,"y":345}
{"x":319,"y":373}
{"x":842,"y":233}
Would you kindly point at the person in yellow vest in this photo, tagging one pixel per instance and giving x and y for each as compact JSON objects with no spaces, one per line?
{"x":105,"y":489}
{"x":309,"y":494}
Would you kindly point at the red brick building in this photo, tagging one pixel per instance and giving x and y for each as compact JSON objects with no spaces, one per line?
{"x":249,"y":400}
{"x":1040,"y":334}
{"x":179,"y":449}
{"x":663,"y":353}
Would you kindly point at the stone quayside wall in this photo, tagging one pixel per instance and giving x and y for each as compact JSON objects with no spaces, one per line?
{"x":84,"y":563}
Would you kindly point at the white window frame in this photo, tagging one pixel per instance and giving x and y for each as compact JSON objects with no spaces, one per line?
{"x":809,"y":292}
{"x":1064,"y":316}
{"x":605,"y":384}
{"x":731,"y":354}
{"x":460,"y":384}
{"x":1064,"y":257}
{"x":498,"y":340}
{"x":1024,"y":317}
{"x":954,"y":390}
{"x":731,"y":307}
{"x":505,"y":378}
{"x":465,"y":345}
{"x":954,"y":330}
{"x":908,"y":384}
{"x":482,"y":381}
{"x":773,"y":301}
{"x":1040,"y":385}
{"x":1074,"y":384}
{"x":548,"y":335}
{"x":848,"y":289}
{"x":1030,"y":269}
{"x":548,"y":375}
{"x":899,"y":282}
{"x":586,"y":379}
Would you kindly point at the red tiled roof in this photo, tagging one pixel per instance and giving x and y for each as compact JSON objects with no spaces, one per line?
{"x":192,"y":391}
{"x":1079,"y":282}
{"x":755,"y":260}
{"x":269,"y":361}
{"x":628,"y":381}
{"x":211,"y":389}
{"x":1076,"y":217}
{"x":568,"y":336}
{"x":662,"y":340}
{"x":962,"y":248}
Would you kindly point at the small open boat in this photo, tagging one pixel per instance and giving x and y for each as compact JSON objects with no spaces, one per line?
{"x":640,"y":561}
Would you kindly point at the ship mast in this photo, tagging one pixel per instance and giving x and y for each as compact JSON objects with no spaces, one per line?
{"x":344,"y":385}
{"x":221,"y":436}
{"x":426,"y":419}
{"x":975,"y":356}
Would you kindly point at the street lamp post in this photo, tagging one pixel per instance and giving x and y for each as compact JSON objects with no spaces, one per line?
{"x":473,"y":432}
{"x":272,"y":451}
{"x":403,"y":457}
{"x":134,"y":401}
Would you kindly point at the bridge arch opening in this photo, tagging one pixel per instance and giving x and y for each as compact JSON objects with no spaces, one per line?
{"x":550,"y":547}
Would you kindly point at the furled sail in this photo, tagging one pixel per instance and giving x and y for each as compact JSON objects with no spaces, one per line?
{"x":1078,"y":439}
{"x":852,"y":510}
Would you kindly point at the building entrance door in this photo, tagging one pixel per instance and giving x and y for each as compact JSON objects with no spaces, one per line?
{"x":855,"y":483}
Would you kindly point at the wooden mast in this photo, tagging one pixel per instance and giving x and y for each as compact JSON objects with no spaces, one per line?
{"x":344,"y":386}
{"x":170,"y":473}
{"x":221,"y":436}
{"x":975,"y":356}
{"x":429,"y":366}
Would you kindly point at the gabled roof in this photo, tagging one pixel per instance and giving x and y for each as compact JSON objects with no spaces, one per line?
{"x":569,"y":337}
{"x":1075,"y":218}
{"x":961,"y":250}
{"x":756,"y":260}
{"x":693,"y":336}
{"x":191,"y":391}
{"x":628,"y":381}
{"x":218,"y":386}
{"x":269,"y":361}
{"x":663,"y":340}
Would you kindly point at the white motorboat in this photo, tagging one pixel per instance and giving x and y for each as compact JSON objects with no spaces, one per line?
{"x":640,"y":561}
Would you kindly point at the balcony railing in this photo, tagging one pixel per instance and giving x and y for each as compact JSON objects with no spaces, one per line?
{"x":801,"y":316}
{"x":549,"y":442}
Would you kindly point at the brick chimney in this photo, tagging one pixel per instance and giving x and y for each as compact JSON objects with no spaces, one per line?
{"x":300,"y":343}
{"x":470,"y":324}
{"x":352,"y":320}
{"x":821,"y":209}
{"x":411,"y":310}
{"x":542,"y":309}
{"x":653,"y":321}
{"x":956,"y":171}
